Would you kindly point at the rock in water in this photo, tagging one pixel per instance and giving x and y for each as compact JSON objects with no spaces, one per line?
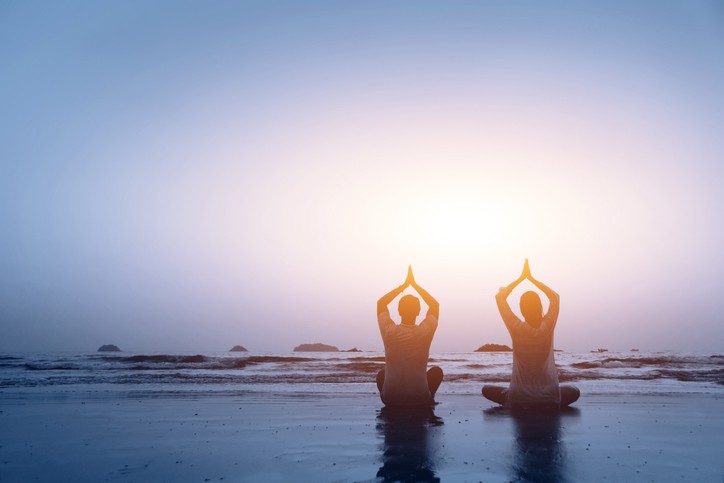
{"x":238,"y":348}
{"x":493,"y":348}
{"x":109,"y":348}
{"x":318,"y":347}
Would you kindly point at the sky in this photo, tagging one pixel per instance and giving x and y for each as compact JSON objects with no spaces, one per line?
{"x":183,"y":176}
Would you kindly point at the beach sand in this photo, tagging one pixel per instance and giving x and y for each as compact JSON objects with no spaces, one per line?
{"x":246,"y":436}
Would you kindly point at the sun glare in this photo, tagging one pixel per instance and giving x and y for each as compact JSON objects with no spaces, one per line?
{"x":455,"y":225}
{"x":459,"y":225}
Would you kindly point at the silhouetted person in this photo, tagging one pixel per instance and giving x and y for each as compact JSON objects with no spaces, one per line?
{"x":408,"y":452}
{"x":535,"y":377}
{"x":405,"y":380}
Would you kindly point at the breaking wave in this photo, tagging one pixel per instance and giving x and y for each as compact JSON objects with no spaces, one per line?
{"x":333,"y":368}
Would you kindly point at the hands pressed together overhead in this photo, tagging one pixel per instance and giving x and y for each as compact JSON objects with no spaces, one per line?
{"x":410,"y":280}
{"x":525,"y":274}
{"x":526,"y":270}
{"x":434,"y":306}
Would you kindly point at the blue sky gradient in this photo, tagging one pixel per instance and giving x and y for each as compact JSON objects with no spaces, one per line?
{"x":185,"y":176}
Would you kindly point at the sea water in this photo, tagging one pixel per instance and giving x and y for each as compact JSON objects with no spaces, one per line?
{"x":345,"y":372}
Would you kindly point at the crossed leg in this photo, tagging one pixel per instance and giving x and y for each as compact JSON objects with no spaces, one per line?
{"x":434,"y":379}
{"x":497,"y":394}
{"x":569,"y":395}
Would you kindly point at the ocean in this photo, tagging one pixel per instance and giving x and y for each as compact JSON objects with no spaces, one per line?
{"x":346,"y":372}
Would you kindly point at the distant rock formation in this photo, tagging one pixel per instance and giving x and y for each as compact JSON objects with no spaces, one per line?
{"x":109,"y":348}
{"x":238,"y":348}
{"x":353,"y":349}
{"x":493,"y":348}
{"x":318,"y":347}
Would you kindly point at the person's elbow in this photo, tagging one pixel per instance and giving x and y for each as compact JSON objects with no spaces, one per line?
{"x":381,"y":307}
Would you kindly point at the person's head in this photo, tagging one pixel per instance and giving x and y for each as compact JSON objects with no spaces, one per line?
{"x":409,"y":308}
{"x":531,"y":308}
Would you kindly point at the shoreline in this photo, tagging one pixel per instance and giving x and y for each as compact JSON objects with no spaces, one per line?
{"x":320,"y":436}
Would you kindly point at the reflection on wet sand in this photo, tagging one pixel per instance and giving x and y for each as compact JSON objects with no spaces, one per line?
{"x":408,"y":452}
{"x":539,"y":452}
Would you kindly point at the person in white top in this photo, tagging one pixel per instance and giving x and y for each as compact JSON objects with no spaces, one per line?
{"x":405,"y":380}
{"x":535,"y":378}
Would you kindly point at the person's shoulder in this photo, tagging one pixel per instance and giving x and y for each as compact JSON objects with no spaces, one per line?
{"x":430,"y":320}
{"x":514,"y":324}
{"x":548,"y":324}
{"x":385,"y":322}
{"x":384,"y":317}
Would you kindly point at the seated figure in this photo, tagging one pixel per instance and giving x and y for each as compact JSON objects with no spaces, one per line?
{"x":535,"y":378}
{"x":405,"y":380}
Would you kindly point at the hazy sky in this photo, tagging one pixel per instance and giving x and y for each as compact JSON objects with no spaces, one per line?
{"x":185,"y":176}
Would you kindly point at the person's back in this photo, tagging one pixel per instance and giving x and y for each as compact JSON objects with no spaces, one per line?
{"x":534,"y":381}
{"x":535,"y":377}
{"x":407,"y":349}
{"x":405,"y":380}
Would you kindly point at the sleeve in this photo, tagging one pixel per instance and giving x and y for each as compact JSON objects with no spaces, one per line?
{"x":512,"y":322}
{"x":551,"y":317}
{"x":429,"y":324}
{"x":385,"y":322}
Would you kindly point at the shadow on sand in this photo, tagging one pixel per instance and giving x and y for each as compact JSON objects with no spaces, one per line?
{"x":539,"y":452}
{"x":408,"y":452}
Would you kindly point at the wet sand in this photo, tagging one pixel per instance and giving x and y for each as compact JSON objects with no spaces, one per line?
{"x":237,"y":436}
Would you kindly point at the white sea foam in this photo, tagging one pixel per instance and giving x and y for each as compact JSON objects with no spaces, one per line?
{"x":343,"y":372}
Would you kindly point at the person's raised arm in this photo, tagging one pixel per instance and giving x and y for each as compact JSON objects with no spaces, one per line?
{"x":433,"y":305}
{"x":501,"y":299}
{"x":553,"y":298}
{"x":385,"y":300}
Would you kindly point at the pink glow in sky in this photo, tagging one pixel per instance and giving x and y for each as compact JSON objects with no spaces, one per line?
{"x":189,"y":178}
